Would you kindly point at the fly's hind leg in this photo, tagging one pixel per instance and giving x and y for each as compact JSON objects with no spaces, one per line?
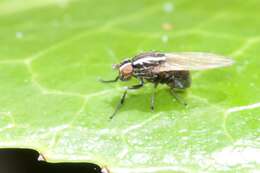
{"x":179,"y":82}
{"x":177,"y":97}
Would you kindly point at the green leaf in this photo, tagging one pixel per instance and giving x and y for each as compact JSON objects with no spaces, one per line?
{"x":53,"y":52}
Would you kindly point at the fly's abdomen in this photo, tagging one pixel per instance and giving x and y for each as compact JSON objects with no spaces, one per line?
{"x":179,"y":80}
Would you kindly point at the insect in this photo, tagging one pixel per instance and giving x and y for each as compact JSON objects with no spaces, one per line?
{"x":172,"y":69}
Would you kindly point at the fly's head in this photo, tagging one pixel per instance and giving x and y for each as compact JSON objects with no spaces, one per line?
{"x":125,"y":70}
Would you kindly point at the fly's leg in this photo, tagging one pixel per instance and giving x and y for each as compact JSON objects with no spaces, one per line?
{"x":109,"y":81}
{"x":141,"y":84}
{"x":153,"y":95}
{"x":180,"y":80}
{"x":178,"y":98}
{"x":122,"y":100}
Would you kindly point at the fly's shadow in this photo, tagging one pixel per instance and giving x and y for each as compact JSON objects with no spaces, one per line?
{"x":165,"y":100}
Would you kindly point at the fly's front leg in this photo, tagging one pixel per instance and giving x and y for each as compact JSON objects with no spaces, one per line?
{"x":109,"y":81}
{"x":141,"y":84}
{"x":153,"y":95}
{"x":122,"y":100}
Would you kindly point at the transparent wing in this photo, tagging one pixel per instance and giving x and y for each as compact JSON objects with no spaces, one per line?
{"x":193,"y":61}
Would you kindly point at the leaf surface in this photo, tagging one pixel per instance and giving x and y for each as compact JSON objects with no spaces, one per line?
{"x":53,"y":52}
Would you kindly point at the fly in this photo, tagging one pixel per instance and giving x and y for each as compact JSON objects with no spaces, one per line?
{"x":172,"y":69}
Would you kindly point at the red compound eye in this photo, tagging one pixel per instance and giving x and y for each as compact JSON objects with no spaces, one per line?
{"x":126,"y":69}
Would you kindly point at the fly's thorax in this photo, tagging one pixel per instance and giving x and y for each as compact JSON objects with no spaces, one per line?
{"x":148,"y":61}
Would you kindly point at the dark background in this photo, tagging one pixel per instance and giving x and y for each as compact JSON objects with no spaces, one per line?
{"x":26,"y":161}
